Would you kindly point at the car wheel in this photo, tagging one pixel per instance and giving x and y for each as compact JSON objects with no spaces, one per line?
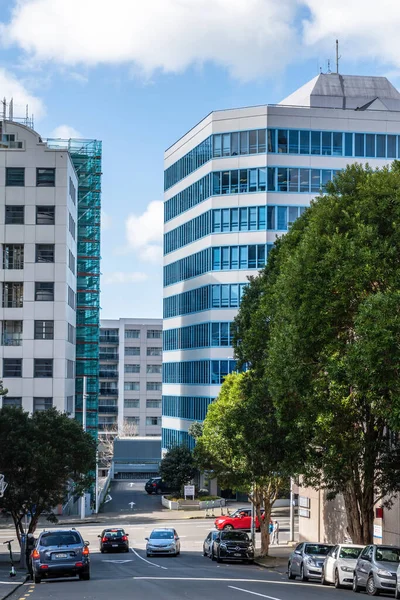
{"x":228,"y":527}
{"x":397,"y":593}
{"x":127,"y":549}
{"x":323,"y":580}
{"x":250,"y":561}
{"x":36,"y":579}
{"x":212,"y":555}
{"x":356,"y":587}
{"x":159,"y":492}
{"x":302,"y":576}
{"x":204,"y":552}
{"x":289,"y":572}
{"x":338,"y":585}
{"x":372,"y":590}
{"x":219,"y":559}
{"x":149,"y":493}
{"x":84,"y":576}
{"x":101,"y":550}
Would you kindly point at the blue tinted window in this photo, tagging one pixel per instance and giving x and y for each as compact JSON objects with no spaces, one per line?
{"x":337,"y":143}
{"x":304,"y":142}
{"x":381,"y":146}
{"x":359,"y":140}
{"x":348,"y":144}
{"x":282,"y":141}
{"x":370,"y":145}
{"x":391,"y":146}
{"x":270,"y":217}
{"x":271,"y":140}
{"x":282,"y":218}
{"x":315,"y":142}
{"x":293,"y":141}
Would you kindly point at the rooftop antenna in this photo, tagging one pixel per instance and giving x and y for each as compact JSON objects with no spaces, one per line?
{"x":4,"y":102}
{"x":329,"y":67}
{"x":11,"y":110}
{"x":337,"y":57}
{"x":26,"y":115}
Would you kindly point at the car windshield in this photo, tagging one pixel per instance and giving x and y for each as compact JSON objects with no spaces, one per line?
{"x":117,"y":533}
{"x":239,"y":536}
{"x":388,"y":554}
{"x":162,"y":535}
{"x":317,"y":549}
{"x":59,"y":539}
{"x":350,"y":552}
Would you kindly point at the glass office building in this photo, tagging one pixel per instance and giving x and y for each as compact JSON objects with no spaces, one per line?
{"x":233,"y":184}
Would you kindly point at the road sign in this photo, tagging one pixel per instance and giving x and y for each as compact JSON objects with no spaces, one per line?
{"x":189,"y":491}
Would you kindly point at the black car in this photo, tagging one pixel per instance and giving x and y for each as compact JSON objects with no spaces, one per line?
{"x":60,"y":553}
{"x":114,"y":540}
{"x":232,"y":545}
{"x":208,"y":543}
{"x":156,"y":485}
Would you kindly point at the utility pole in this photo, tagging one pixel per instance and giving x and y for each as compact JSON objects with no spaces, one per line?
{"x":84,"y":401}
{"x":337,"y":56}
{"x":96,"y":490}
{"x":253,"y":522}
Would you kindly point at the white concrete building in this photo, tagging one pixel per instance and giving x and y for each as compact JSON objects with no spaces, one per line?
{"x":233,"y":184}
{"x":38,"y":217}
{"x":130,"y":376}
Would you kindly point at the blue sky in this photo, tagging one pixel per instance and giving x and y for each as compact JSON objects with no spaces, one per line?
{"x":142,"y":75}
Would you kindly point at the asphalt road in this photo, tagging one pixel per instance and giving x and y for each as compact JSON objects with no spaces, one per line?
{"x":189,"y":576}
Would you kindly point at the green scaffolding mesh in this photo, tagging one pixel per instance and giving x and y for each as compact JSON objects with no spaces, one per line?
{"x":86,"y":157}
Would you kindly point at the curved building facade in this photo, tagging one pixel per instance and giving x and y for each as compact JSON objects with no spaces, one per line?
{"x":233,"y":184}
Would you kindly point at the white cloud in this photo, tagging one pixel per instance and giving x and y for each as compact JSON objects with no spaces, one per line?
{"x":10,"y":87}
{"x":366,"y":30}
{"x":144,"y":232}
{"x":106,"y":221}
{"x":247,"y":37}
{"x":119,"y":277}
{"x":65,"y":132}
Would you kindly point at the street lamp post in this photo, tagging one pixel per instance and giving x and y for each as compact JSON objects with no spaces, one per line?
{"x":291,"y":521}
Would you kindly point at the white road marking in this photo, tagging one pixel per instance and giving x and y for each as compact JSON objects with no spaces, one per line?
{"x":254,"y":593}
{"x":9,"y":582}
{"x":119,"y":562}
{"x":148,"y":561}
{"x":271,"y":582}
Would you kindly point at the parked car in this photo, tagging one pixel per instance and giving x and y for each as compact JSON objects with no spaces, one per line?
{"x":114,"y":540}
{"x":163,"y":541}
{"x":340,"y":564}
{"x":60,"y":553}
{"x":208,"y":543}
{"x":307,"y":560}
{"x":232,"y":545}
{"x":376,"y":569}
{"x":156,"y":485}
{"x":240,"y":519}
{"x":397,"y":591}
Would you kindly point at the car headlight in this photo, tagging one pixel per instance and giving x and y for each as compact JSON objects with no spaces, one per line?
{"x":347,"y":569}
{"x":384,"y":573}
{"x":223,"y":546}
{"x":311,"y":562}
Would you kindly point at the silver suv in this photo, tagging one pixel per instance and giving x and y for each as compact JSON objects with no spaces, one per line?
{"x":376,"y":568}
{"x":60,"y":553}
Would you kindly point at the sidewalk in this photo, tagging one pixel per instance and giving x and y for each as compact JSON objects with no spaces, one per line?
{"x":277,"y":558}
{"x":8,"y":585}
{"x":131,"y":517}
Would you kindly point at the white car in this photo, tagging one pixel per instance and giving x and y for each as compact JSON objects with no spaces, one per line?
{"x":340,"y":564}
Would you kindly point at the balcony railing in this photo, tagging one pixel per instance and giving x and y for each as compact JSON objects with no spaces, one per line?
{"x":108,"y":374}
{"x":111,"y":339}
{"x":113,"y":357}
{"x":11,"y":339}
{"x":108,"y":409}
{"x":103,"y":392}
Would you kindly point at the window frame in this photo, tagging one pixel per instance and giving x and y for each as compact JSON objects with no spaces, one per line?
{"x":39,"y":372}
{"x":45,"y":177}
{"x":50,"y":209}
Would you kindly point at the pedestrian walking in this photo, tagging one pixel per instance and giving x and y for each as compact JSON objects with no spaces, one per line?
{"x":275,"y":533}
{"x":271,"y":529}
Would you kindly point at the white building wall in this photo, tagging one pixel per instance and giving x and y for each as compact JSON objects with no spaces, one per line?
{"x":143,"y":412}
{"x":35,"y":154}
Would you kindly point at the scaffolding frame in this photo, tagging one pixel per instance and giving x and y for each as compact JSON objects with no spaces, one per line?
{"x":86,"y":156}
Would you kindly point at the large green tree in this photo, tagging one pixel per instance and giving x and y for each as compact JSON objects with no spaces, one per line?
{"x":321,"y":325}
{"x":177,"y":467}
{"x":244,"y":446}
{"x":43,"y":457}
